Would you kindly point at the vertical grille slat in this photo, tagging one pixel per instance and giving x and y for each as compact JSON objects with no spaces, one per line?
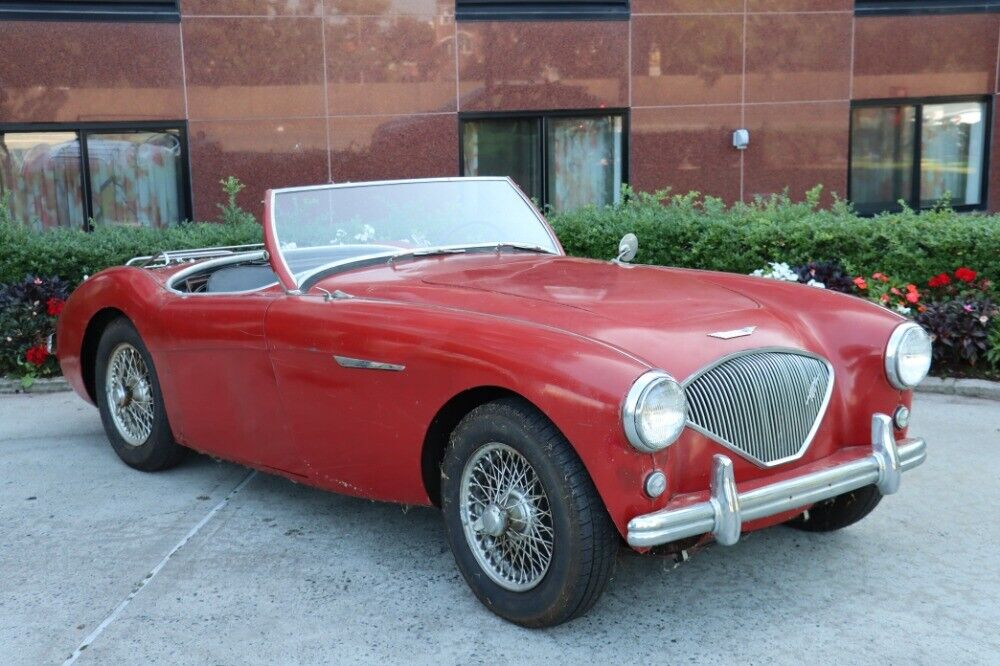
{"x":764,"y":404}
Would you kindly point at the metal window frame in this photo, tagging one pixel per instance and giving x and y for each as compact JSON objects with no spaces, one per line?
{"x":145,"y":11}
{"x":918,"y":103}
{"x":542,"y":118}
{"x":543,"y":10}
{"x":84,"y":129}
{"x":916,"y":7}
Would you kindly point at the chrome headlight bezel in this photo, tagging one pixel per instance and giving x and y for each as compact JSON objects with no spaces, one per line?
{"x":632,"y":411}
{"x":892,"y":355}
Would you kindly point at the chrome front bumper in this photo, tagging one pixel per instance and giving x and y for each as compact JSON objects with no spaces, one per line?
{"x":727,"y":509}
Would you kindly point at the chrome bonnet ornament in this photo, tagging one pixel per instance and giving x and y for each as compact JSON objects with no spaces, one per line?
{"x":736,"y":333}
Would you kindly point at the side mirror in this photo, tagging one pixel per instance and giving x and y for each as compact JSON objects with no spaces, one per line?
{"x":627,"y":247}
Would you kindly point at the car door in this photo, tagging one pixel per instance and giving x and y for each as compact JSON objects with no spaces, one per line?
{"x":350,"y":384}
{"x":224,"y":387}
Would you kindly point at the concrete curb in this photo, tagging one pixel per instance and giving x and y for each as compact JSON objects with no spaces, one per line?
{"x":968,"y":388}
{"x":49,"y":385}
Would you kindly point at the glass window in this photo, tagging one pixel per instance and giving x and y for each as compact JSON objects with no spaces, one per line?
{"x":951,"y":153}
{"x":919,"y":153}
{"x":40,"y":171}
{"x":134,"y":177}
{"x":505,"y":147}
{"x":881,"y":156}
{"x":584,"y":161}
{"x":560,"y":161}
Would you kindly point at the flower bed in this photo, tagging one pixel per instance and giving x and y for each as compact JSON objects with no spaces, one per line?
{"x":956,"y":308}
{"x":28,"y":312}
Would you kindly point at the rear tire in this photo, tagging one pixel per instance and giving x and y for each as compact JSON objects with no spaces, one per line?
{"x":130,"y":401}
{"x":838,"y":512}
{"x":529,"y":532}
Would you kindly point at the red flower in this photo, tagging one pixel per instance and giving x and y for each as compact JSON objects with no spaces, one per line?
{"x":884,"y":298}
{"x":37,"y":355}
{"x":965,"y":274}
{"x":896,"y":292}
{"x":881,"y":277}
{"x":939,"y":280}
{"x":55,"y":306}
{"x":912,"y":295}
{"x":860,"y":283}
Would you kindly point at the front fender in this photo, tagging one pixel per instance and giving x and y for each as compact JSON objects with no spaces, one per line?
{"x":129,"y":291}
{"x":576,"y":382}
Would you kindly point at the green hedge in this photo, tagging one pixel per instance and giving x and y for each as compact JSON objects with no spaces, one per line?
{"x":72,"y":253}
{"x":681,"y":230}
{"x":701,"y":232}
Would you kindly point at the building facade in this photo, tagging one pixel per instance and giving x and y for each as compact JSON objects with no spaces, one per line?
{"x":126,"y":112}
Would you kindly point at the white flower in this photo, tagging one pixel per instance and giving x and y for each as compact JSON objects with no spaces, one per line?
{"x":366,"y":234}
{"x":816,"y":283}
{"x":902,"y":309}
{"x":777,"y":271}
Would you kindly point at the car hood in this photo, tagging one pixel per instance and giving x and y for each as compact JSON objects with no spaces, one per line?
{"x":626,"y":294}
{"x":665,"y":317}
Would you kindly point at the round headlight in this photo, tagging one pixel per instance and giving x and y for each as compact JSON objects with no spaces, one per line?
{"x":655,"y":411}
{"x":907,"y":356}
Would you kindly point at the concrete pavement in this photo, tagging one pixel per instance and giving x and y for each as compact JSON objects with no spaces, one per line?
{"x":176,"y":567}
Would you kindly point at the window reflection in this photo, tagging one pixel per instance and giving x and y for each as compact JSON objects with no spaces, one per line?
{"x":951,"y":152}
{"x":563,"y":162}
{"x":505,"y":147}
{"x":584,"y":161}
{"x":135,"y":178}
{"x":40,"y":172}
{"x":881,"y":156}
{"x":920,"y":153}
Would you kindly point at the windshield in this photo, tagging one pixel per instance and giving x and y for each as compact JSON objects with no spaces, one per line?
{"x":316,"y":228}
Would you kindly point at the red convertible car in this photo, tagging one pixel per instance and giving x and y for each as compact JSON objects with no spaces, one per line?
{"x":429,"y":342}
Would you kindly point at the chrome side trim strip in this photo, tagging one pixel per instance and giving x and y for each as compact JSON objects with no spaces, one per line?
{"x":725,"y":511}
{"x":365,"y":364}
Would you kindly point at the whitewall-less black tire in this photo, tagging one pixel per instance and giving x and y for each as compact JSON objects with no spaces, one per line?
{"x":130,"y":401}
{"x":529,"y":532}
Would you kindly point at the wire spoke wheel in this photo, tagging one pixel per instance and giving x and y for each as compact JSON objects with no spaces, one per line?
{"x":506,"y":517}
{"x":130,"y":396}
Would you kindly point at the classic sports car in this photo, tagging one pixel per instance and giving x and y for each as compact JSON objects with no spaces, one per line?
{"x":429,"y":342}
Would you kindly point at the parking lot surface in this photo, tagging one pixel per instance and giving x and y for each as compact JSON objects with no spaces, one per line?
{"x":211,"y":563}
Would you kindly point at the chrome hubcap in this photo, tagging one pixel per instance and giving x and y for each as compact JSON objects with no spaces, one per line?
{"x":129,"y":393}
{"x":506,"y":517}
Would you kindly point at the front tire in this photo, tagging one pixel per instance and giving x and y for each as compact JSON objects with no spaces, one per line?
{"x":838,"y":512}
{"x":130,"y":401}
{"x":529,"y":532}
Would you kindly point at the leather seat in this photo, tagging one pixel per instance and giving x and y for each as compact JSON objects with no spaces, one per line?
{"x":240,"y":278}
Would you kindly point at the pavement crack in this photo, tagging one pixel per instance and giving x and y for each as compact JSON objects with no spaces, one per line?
{"x":155,"y":570}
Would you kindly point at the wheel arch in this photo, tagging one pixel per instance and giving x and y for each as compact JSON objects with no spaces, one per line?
{"x":444,"y":423}
{"x":98,"y":323}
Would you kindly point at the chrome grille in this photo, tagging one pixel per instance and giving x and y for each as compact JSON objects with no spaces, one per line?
{"x":763,"y":404}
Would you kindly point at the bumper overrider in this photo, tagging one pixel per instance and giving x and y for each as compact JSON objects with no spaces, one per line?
{"x":727,"y":509}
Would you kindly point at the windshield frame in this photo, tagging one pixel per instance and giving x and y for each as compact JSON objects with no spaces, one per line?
{"x":287,"y":278}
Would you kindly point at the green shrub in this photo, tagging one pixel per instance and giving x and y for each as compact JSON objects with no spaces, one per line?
{"x":71,"y":254}
{"x":230,"y":212}
{"x":702,"y":232}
